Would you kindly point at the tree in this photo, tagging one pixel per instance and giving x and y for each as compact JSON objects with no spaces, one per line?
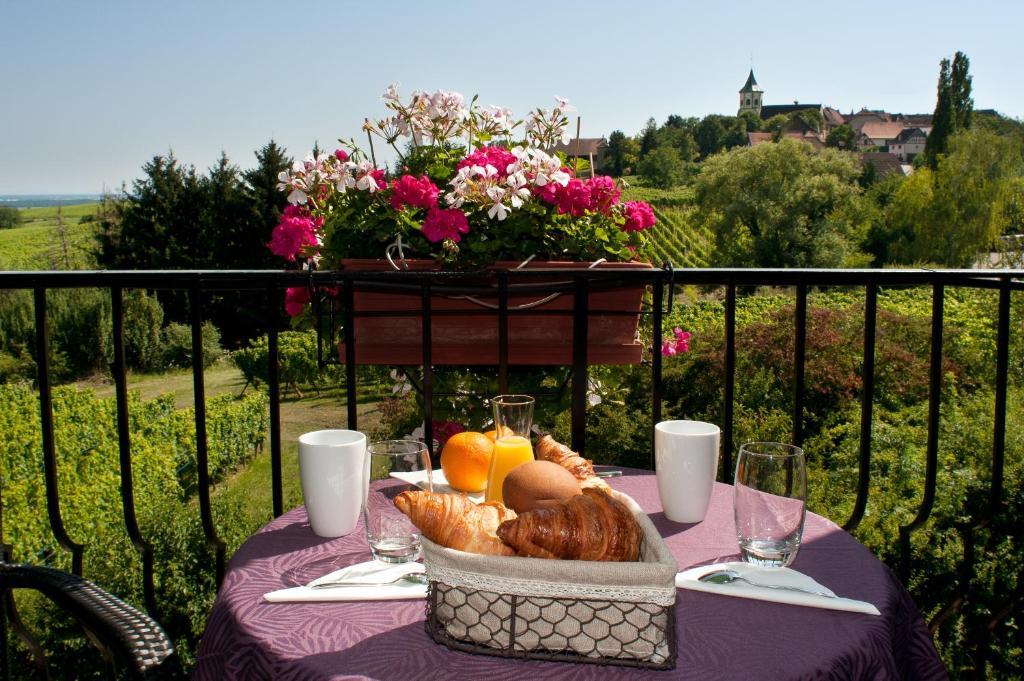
{"x":960,"y":91}
{"x":680,"y":139}
{"x":842,"y":137}
{"x":622,"y":153}
{"x":751,"y":121}
{"x":266,"y":200}
{"x":663,"y":168}
{"x":811,"y":118}
{"x":710,"y":136}
{"x":648,"y":137}
{"x":783,"y":205}
{"x":9,"y":217}
{"x":956,"y":213}
{"x":776,"y":124}
{"x":158,"y":222}
{"x":953,"y":107}
{"x":174,"y":218}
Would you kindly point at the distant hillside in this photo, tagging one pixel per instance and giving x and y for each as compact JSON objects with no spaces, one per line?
{"x":46,"y":200}
{"x":674,"y":238}
{"x":36,"y":243}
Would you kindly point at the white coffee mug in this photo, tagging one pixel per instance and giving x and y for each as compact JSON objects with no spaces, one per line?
{"x":686,"y":461}
{"x":335,"y":473}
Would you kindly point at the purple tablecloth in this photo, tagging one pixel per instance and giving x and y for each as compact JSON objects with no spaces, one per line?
{"x":719,"y":637}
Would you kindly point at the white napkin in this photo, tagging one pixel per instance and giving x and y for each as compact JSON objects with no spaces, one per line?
{"x":688,"y":579}
{"x":369,"y":572}
{"x":419,"y":478}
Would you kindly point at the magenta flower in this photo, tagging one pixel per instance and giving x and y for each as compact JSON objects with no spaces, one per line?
{"x":442,"y":224}
{"x":677,"y":345}
{"x":639,"y":216}
{"x":574,"y":198}
{"x":443,"y":430}
{"x":412,"y":191}
{"x":296,"y":231}
{"x":295,"y":300}
{"x":341,"y":155}
{"x":603,"y":193}
{"x":497,"y":157}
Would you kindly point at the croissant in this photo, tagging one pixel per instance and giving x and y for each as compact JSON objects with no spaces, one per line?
{"x":548,"y":449}
{"x":454,"y":521}
{"x":590,"y":526}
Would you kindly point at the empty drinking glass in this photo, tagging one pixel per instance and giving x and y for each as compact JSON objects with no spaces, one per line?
{"x":395,"y":467}
{"x":770,"y":502}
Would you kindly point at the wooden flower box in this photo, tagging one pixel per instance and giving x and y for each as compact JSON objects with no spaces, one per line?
{"x":535,"y":337}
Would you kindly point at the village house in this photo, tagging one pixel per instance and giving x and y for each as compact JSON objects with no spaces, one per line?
{"x":589,"y":149}
{"x":908,"y":144}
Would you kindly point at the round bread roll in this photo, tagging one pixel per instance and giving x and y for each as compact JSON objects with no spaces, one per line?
{"x":538,"y":483}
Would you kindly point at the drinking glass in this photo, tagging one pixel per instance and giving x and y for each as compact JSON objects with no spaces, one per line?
{"x":513,"y":419}
{"x":770,"y":502}
{"x":392,"y":537}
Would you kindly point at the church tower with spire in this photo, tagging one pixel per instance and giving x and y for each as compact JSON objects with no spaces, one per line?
{"x":750,"y":95}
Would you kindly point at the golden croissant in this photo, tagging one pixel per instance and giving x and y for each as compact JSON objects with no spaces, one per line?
{"x":550,"y":450}
{"x":590,"y":526}
{"x":452,"y":520}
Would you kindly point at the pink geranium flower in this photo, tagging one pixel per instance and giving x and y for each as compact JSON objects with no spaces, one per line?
{"x":296,"y":230}
{"x":341,"y":155}
{"x":497,"y":157}
{"x":604,"y":193}
{"x":574,"y":198}
{"x":639,"y":216}
{"x":441,"y":224}
{"x":677,"y":345}
{"x":412,"y":191}
{"x":295,"y":300}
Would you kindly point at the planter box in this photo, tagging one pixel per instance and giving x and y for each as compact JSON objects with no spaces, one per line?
{"x":472,"y":339}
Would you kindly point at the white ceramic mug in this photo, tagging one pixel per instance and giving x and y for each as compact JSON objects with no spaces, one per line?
{"x":335,"y":473}
{"x":686,"y":461}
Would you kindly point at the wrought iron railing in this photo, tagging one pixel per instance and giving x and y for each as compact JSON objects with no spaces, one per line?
{"x":269,"y":290}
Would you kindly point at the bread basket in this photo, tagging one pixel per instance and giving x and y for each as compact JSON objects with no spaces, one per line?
{"x":565,"y":610}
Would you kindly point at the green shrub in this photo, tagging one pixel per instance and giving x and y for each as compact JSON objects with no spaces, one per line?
{"x":81,"y":337}
{"x":9,"y":217}
{"x":176,"y":346}
{"x":297,"y":362}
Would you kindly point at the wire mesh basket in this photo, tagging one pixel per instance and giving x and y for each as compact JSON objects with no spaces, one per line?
{"x":562,"y":610}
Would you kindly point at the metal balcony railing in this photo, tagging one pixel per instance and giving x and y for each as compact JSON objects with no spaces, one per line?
{"x":268,"y":288}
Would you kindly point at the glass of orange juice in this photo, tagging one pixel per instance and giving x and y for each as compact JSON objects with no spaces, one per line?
{"x":513,"y":419}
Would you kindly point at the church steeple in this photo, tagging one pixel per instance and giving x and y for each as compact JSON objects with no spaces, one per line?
{"x":750,"y":95}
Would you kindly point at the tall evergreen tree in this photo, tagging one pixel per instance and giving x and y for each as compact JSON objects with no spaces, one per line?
{"x":616,"y":153}
{"x":648,"y":137}
{"x":960,"y":90}
{"x":953,"y":107}
{"x":266,"y":200}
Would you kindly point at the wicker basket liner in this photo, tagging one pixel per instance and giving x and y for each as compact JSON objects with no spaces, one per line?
{"x":592,"y":610}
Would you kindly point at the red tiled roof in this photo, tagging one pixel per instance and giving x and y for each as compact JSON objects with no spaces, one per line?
{"x":881,"y":130}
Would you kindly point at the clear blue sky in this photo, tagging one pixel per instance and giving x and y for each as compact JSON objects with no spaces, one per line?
{"x":91,"y":90}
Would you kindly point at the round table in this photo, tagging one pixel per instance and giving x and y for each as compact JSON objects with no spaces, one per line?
{"x":719,"y":637}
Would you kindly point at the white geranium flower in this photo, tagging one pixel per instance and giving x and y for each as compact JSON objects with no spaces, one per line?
{"x":497,"y":209}
{"x":563,"y":104}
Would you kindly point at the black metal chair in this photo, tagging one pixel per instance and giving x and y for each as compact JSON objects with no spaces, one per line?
{"x":132,"y":643}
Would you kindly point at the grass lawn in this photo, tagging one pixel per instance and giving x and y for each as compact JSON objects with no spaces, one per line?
{"x":36,"y":244}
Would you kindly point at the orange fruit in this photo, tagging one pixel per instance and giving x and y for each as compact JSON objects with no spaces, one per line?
{"x":493,"y":434}
{"x":465,"y":460}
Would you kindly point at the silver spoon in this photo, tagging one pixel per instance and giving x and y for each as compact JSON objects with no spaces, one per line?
{"x":730,"y":576}
{"x":411,"y":577}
